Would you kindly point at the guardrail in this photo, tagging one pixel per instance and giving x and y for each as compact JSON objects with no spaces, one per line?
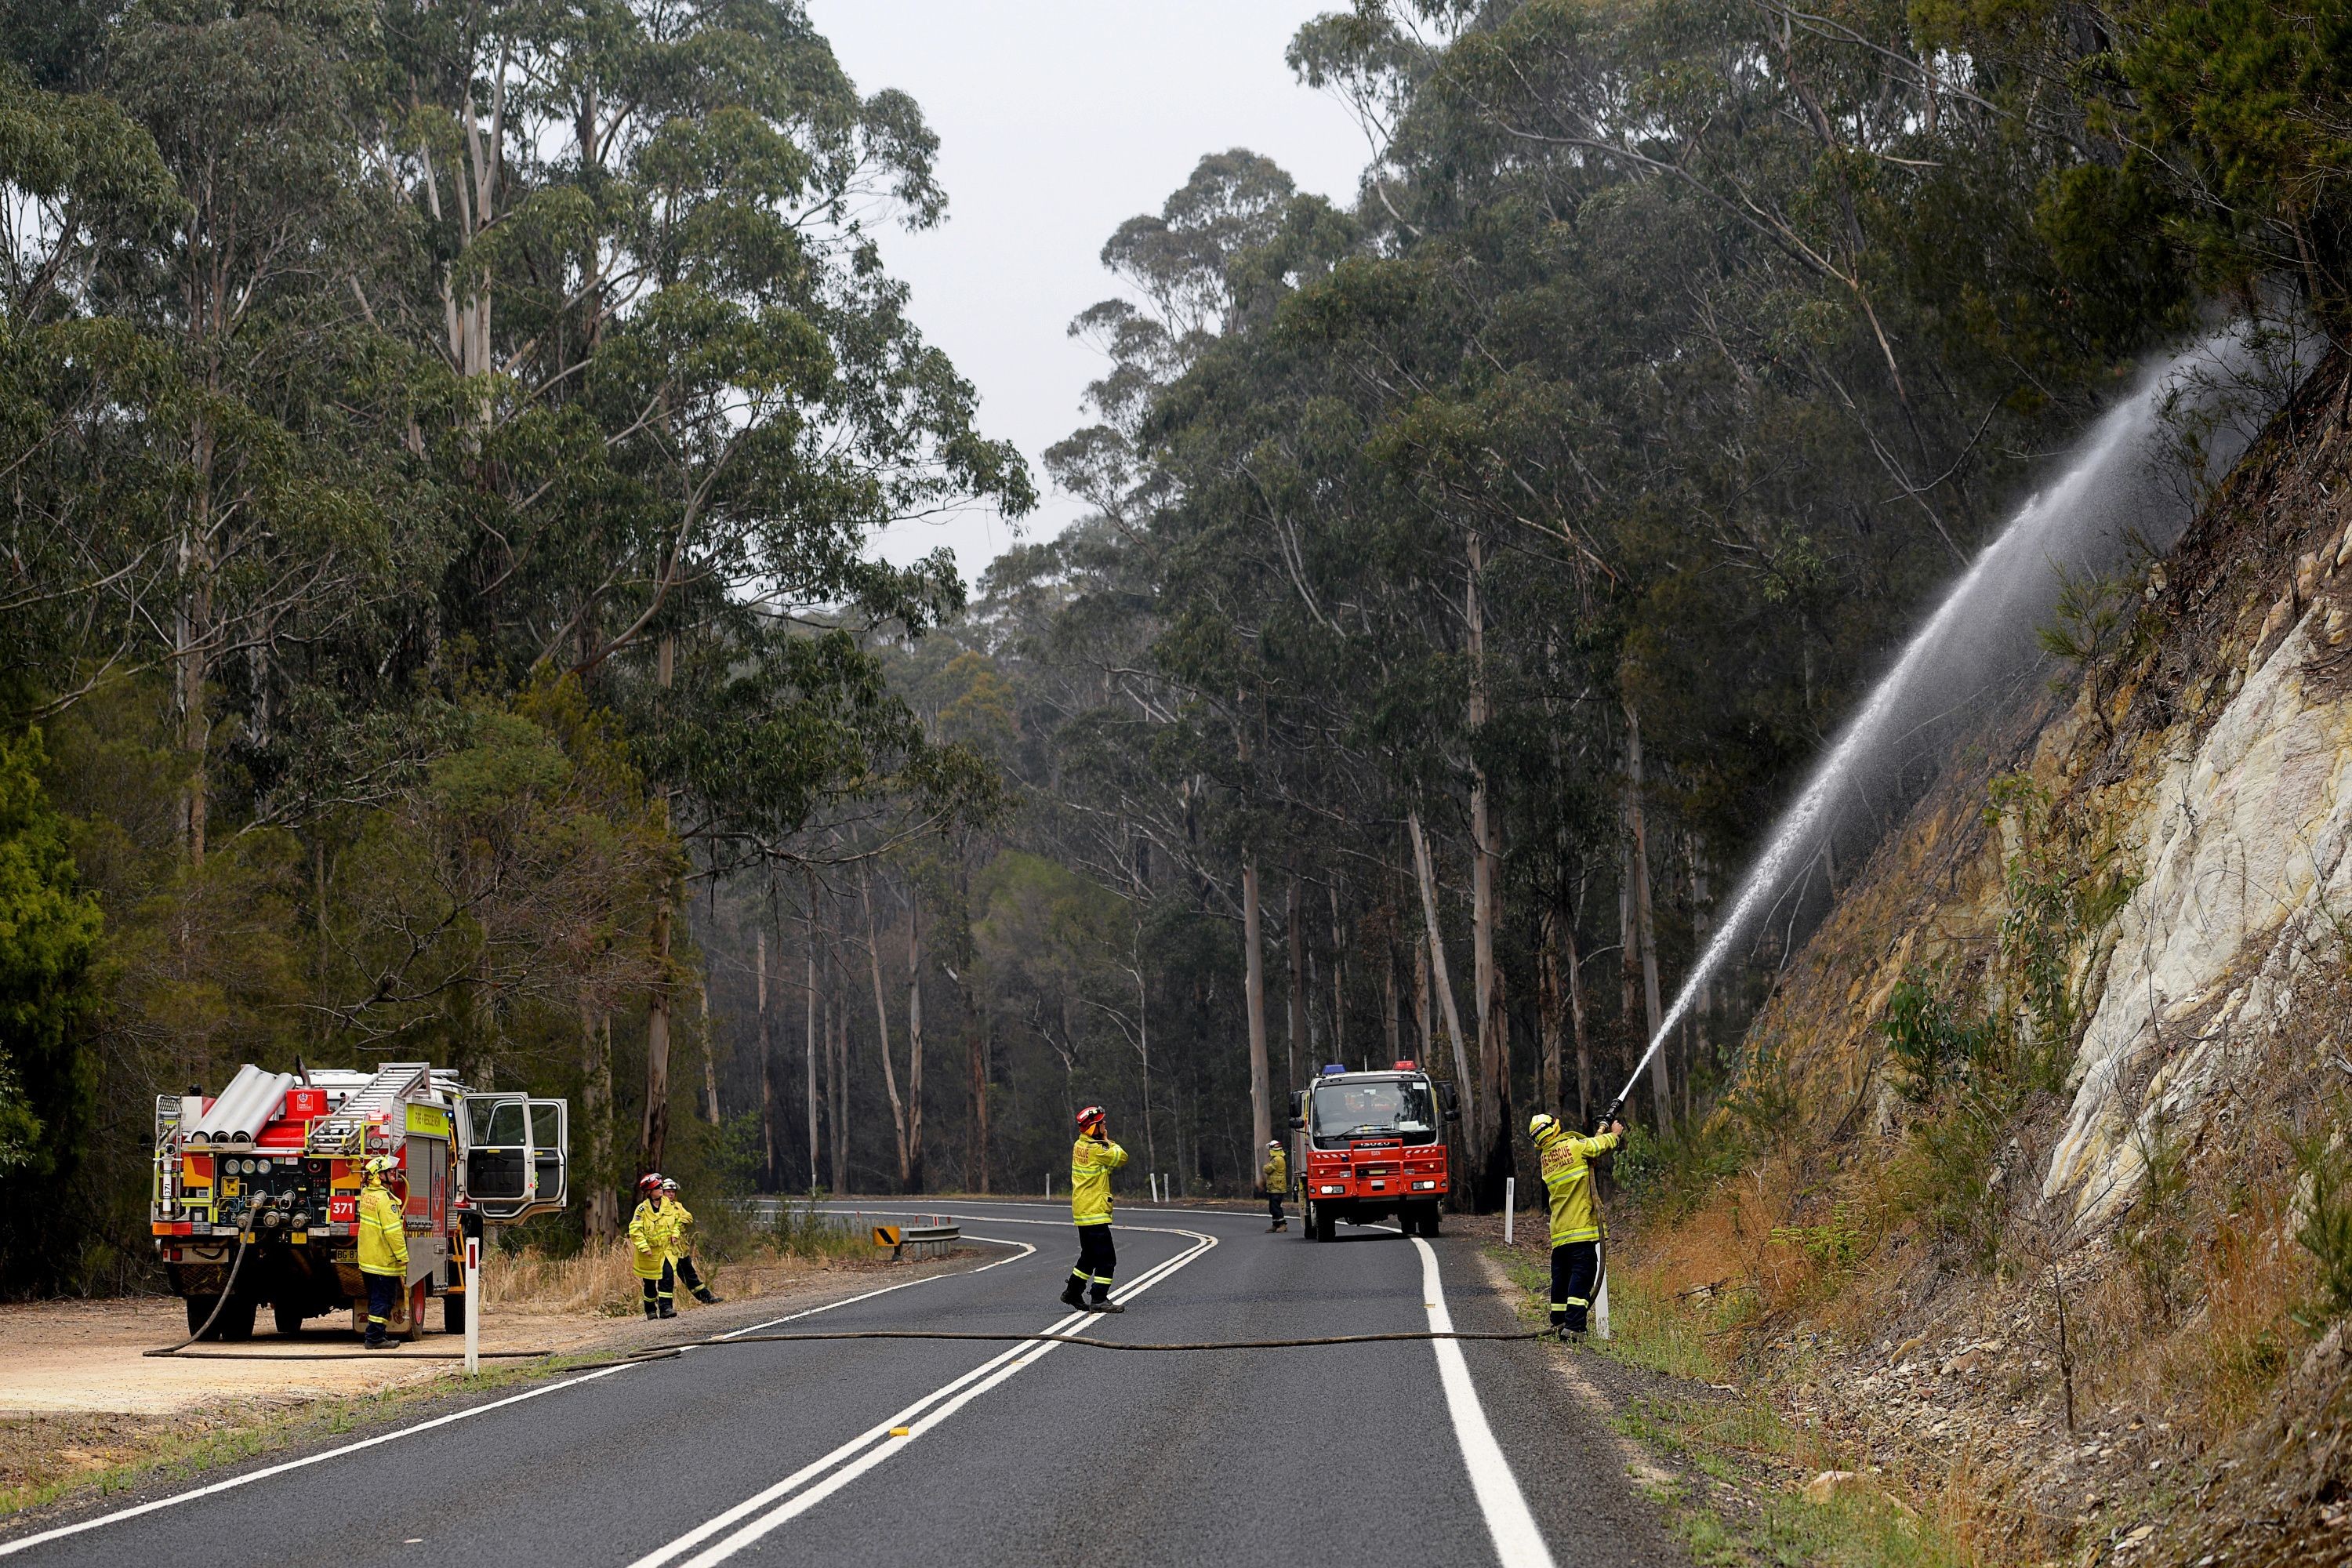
{"x":916,"y":1237}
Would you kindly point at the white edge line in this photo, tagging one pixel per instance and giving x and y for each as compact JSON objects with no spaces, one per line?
{"x":25,"y":1543}
{"x":1517,"y":1543}
{"x":852,"y":1463}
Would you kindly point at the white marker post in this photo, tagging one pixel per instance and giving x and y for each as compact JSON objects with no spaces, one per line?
{"x":1510,"y":1205}
{"x":473,"y":1305}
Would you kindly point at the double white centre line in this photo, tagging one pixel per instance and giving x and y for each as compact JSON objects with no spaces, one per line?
{"x":758,"y":1515}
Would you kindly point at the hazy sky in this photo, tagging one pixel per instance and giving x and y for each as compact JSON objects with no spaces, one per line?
{"x":1057,"y":120}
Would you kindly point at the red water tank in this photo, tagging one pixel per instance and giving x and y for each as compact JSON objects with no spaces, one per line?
{"x":305,"y":1104}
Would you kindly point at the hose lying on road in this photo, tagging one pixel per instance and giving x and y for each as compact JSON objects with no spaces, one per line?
{"x":218,"y":1302}
{"x":664,"y":1352}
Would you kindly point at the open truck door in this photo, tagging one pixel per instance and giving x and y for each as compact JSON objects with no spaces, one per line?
{"x":516,"y":1155}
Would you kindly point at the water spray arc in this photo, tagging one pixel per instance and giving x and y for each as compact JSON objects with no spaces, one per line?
{"x":2110,"y":494}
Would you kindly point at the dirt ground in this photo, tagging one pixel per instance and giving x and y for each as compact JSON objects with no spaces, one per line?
{"x":77,"y":1396}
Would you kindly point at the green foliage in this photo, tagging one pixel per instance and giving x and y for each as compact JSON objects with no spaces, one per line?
{"x":802,"y":1230}
{"x":49,"y":935}
{"x":2156,"y":1234}
{"x":1928,"y":1035}
{"x":2324,"y":1210}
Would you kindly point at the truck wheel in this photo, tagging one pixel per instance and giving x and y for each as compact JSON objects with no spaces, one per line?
{"x":415,"y":1329}
{"x":288,"y":1317}
{"x":453,"y":1312}
{"x":1430,"y":1217}
{"x":1325,"y":1226}
{"x":236,"y":1320}
{"x":200,"y":1308}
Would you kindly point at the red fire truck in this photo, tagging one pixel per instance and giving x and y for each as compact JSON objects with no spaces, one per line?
{"x":259,"y":1185}
{"x":1372,"y":1145}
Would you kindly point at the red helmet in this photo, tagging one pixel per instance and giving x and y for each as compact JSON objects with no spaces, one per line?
{"x":650,"y":1181}
{"x":1090,"y":1118}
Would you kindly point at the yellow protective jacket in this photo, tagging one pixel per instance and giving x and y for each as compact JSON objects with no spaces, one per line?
{"x":1277,"y":1173}
{"x":384,"y":1238}
{"x":1092,"y":1159}
{"x":681,"y":1228}
{"x":1568,"y":1178}
{"x":651,"y":1231}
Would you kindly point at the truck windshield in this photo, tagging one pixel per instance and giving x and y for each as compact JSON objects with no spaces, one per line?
{"x":1396,"y":1106}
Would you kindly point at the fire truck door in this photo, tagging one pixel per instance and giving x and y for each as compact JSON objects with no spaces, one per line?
{"x":515,"y":1155}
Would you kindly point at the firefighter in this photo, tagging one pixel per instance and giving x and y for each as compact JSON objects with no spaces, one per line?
{"x":681,"y":1244}
{"x":1092,"y":1159}
{"x":650,"y":1235}
{"x":384,"y":1248}
{"x":1575,"y":1217}
{"x":1277,"y":1182}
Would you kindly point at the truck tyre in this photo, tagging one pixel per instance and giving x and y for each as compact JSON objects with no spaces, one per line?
{"x":200,"y":1308}
{"x":1325,"y":1226}
{"x":1310,"y":1225}
{"x":236,"y":1320}
{"x":453,"y":1312}
{"x":288,"y":1317}
{"x":1430,"y":1218}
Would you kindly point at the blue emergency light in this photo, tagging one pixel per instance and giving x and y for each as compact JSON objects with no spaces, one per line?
{"x":1330,"y":1068}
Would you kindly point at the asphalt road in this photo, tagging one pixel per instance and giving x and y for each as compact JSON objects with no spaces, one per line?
{"x":1405,"y":1452}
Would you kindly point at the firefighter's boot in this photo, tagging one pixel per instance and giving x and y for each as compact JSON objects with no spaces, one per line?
{"x":1104,"y":1305}
{"x":1074,"y":1291}
{"x":669,"y":1310}
{"x":704,"y":1294}
{"x":651,"y":1312}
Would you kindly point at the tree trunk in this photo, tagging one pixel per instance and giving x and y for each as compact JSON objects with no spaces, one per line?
{"x":1661,"y":1089}
{"x":882,"y":1029}
{"x":1420,"y":1000}
{"x":769,"y":1175}
{"x":1294,"y":925}
{"x":837,"y":1022}
{"x":1389,"y":1030}
{"x":810,"y":1038}
{"x":596,"y":1113}
{"x":1549,"y":1005}
{"x":979,"y":1067}
{"x":653,"y":1134}
{"x":709,"y":1051}
{"x":914,"y":1039}
{"x":1578,"y":1017}
{"x":1339,"y":979}
{"x":1254,"y":985}
{"x":1467,"y":1085}
{"x":1492,"y":1158}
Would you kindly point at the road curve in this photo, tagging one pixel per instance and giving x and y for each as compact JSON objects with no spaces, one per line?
{"x":766,"y":1454}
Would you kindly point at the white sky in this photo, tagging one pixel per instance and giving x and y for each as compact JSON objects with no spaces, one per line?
{"x":1057,"y":120}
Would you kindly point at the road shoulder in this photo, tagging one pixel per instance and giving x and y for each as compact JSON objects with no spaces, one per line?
{"x":1715,"y":1465}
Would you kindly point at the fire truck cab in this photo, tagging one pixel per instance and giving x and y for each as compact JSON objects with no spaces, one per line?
{"x":256,"y":1190}
{"x":1372,"y":1145}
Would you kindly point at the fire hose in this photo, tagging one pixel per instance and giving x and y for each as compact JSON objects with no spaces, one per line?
{"x":667,"y":1351}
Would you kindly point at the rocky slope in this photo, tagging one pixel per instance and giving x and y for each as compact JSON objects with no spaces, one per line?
{"x":2111,"y":945}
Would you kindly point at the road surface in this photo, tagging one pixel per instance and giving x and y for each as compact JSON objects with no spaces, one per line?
{"x":1405,"y":1452}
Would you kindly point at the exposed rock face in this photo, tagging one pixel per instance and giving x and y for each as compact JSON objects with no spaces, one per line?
{"x":2243,"y":845}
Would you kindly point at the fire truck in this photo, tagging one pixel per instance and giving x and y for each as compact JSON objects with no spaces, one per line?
{"x":1371,"y":1145}
{"x":260,"y":1184}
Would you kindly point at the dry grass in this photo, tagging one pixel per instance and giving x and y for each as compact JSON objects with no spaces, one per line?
{"x":598,"y":1281}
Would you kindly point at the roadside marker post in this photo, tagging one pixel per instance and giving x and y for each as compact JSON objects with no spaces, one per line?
{"x":1510,"y":1205}
{"x":473,"y":1305}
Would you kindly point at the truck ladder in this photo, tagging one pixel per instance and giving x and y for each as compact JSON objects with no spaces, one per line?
{"x":345,"y":1131}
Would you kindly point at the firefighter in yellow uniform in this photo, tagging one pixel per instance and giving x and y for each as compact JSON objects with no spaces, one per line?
{"x":651,"y":1230}
{"x":384,"y":1248}
{"x":1092,"y":1159}
{"x":1276,"y":1176}
{"x":681,"y":1244}
{"x":1575,"y":1217}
